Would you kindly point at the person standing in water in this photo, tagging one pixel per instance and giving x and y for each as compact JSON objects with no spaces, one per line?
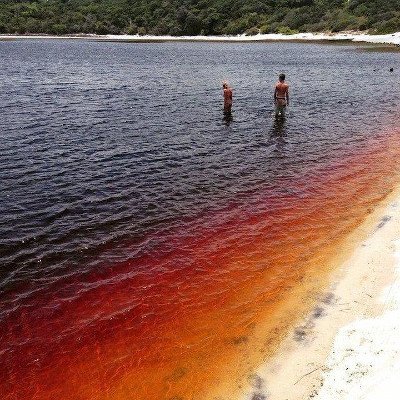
{"x":227,"y":98}
{"x":281,"y":96}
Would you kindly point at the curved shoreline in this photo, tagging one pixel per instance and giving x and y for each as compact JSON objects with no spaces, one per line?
{"x":356,"y":37}
{"x":347,"y":344}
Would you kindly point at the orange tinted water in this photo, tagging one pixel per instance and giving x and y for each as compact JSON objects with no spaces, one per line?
{"x":174,"y":330}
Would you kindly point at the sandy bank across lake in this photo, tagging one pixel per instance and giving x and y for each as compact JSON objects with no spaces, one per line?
{"x":393,"y":38}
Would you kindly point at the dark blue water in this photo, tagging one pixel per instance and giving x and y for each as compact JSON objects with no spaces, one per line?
{"x":104,"y":144}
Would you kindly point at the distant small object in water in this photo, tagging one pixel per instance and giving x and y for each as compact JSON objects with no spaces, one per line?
{"x":391,"y":69}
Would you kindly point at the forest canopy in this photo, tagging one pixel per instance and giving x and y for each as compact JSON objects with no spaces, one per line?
{"x":195,"y":17}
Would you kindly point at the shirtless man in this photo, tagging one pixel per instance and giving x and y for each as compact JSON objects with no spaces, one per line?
{"x":281,"y":96}
{"x":227,"y":98}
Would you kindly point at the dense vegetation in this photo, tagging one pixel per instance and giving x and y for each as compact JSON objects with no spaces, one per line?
{"x":193,"y":17}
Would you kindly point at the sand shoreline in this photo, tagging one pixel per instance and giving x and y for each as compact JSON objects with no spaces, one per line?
{"x":357,"y":37}
{"x":347,"y":347}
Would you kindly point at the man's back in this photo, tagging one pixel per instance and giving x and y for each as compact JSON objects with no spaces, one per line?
{"x":281,"y":96}
{"x":281,"y":90}
{"x":228,"y":95}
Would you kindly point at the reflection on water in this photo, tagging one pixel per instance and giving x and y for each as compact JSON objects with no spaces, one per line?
{"x":278,"y":129}
{"x":228,"y":118}
{"x":139,"y":246}
{"x":277,"y":136}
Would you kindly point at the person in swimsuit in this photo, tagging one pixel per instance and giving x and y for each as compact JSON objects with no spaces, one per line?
{"x":227,"y":98}
{"x":281,"y":96}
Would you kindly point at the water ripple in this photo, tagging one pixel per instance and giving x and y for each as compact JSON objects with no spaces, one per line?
{"x":122,"y":183}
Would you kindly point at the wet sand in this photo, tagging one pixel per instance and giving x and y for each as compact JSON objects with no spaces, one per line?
{"x":347,"y":347}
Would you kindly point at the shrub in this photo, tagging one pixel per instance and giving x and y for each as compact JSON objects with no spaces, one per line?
{"x":385,"y":27}
{"x":236,"y":27}
{"x":318,"y":27}
{"x":59,"y":29}
{"x":100,"y":28}
{"x":132,"y":29}
{"x":285,"y":30}
{"x":252,"y":31}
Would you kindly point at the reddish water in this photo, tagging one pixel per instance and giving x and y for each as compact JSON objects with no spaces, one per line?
{"x":157,"y":335}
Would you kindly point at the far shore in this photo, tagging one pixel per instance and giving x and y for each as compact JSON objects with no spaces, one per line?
{"x":357,"y":37}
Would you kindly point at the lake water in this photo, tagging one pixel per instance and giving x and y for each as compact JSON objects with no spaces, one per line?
{"x":143,"y":236}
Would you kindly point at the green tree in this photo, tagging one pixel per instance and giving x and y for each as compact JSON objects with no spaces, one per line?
{"x":193,"y":17}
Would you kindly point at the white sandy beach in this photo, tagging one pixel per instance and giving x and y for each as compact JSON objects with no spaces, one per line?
{"x":348,"y":348}
{"x":353,"y":37}
{"x":393,"y":38}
